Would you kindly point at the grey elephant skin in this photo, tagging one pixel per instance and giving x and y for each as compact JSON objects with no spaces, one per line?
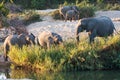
{"x":71,"y":15}
{"x":64,"y":9}
{"x":19,"y":40}
{"x":97,"y":26}
{"x":46,"y":39}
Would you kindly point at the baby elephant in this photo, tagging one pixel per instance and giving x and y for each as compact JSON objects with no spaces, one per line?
{"x":63,"y":10}
{"x":46,"y":39}
{"x":19,"y":40}
{"x":71,"y":15}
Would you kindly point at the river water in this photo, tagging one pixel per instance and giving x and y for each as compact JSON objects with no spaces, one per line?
{"x":7,"y":73}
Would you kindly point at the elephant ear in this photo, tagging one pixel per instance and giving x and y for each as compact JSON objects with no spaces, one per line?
{"x":31,"y":34}
{"x":90,"y":27}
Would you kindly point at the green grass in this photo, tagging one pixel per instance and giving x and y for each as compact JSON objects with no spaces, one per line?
{"x":102,"y":54}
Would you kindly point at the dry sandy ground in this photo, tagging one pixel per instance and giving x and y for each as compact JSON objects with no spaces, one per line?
{"x":66,"y":29}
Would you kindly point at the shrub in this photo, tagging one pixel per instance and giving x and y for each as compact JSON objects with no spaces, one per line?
{"x":56,"y":15}
{"x":30,"y":16}
{"x":87,"y":12}
{"x":3,"y":10}
{"x":112,"y":7}
{"x":71,"y":57}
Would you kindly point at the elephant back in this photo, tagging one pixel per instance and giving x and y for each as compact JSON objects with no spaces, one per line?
{"x":64,"y":9}
{"x":11,"y":40}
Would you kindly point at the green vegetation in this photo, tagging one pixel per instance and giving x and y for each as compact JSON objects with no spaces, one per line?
{"x":1,"y":49}
{"x":30,"y":16}
{"x":44,"y":4}
{"x":103,"y":54}
{"x":3,"y":13}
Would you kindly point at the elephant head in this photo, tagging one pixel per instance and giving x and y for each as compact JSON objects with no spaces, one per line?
{"x":81,"y":26}
{"x":76,"y":10}
{"x":72,"y":15}
{"x":30,"y":39}
{"x":57,"y":38}
{"x":97,"y":26}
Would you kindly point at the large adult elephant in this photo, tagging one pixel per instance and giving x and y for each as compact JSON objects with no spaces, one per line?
{"x":19,"y":40}
{"x":46,"y":39}
{"x":97,"y":26}
{"x":64,"y":9}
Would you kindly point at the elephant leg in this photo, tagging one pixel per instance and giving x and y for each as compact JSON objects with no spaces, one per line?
{"x":65,"y":19}
{"x":61,"y":16}
{"x":92,"y":35}
{"x":73,"y":18}
{"x":48,"y":45}
{"x":70,"y":19}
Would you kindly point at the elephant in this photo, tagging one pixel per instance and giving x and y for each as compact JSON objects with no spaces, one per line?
{"x":47,"y":38}
{"x":64,"y":9}
{"x":95,"y":26}
{"x":20,"y":40}
{"x":71,"y":15}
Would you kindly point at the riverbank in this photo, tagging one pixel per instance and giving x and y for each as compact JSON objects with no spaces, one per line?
{"x":102,"y":55}
{"x":70,"y":56}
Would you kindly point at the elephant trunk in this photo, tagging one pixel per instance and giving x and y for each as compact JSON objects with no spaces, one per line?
{"x":79,"y":29}
{"x":32,"y":42}
{"x":37,"y":42}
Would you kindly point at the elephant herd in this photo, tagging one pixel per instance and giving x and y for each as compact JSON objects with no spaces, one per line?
{"x":45,"y":39}
{"x":69,"y":12}
{"x":95,"y":26}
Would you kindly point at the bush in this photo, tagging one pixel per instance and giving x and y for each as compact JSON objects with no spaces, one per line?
{"x":56,"y":15}
{"x":71,"y":57}
{"x":112,"y":7}
{"x":30,"y":16}
{"x":87,"y":12}
{"x":3,"y":10}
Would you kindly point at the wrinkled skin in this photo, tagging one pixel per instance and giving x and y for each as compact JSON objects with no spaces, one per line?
{"x":98,"y":26}
{"x":71,"y":15}
{"x":46,"y":39}
{"x":64,"y":9}
{"x":19,"y":40}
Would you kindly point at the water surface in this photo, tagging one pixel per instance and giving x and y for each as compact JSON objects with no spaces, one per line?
{"x":81,"y":75}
